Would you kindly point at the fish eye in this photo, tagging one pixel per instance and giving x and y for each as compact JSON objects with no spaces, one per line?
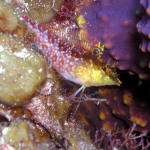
{"x":96,"y":51}
{"x":104,"y":69}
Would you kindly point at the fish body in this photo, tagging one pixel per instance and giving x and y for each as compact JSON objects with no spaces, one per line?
{"x":60,"y":56}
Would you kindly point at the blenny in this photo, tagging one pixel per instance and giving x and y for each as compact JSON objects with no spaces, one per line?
{"x":60,"y":56}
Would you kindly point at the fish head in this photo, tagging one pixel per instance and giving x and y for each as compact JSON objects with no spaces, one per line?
{"x":91,"y":74}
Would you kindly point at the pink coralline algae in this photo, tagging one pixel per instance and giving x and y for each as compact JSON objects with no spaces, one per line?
{"x":114,"y":24}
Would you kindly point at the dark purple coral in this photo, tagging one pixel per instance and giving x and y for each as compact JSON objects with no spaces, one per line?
{"x":113,"y":22}
{"x":143,"y":28}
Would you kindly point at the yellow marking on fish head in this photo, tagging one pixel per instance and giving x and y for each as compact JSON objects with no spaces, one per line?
{"x":91,"y":74}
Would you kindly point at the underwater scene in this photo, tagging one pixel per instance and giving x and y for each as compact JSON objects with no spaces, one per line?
{"x":74,"y":75}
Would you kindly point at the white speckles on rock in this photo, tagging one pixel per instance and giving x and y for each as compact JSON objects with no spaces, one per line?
{"x":21,"y":71}
{"x":1,"y":48}
{"x":2,"y":70}
{"x":40,"y":70}
{"x":29,"y":71}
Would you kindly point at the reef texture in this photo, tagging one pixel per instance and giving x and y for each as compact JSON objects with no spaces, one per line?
{"x":23,"y":134}
{"x":48,"y":110}
{"x":144,"y":29}
{"x":39,"y":11}
{"x":113,"y":23}
{"x":116,"y":122}
{"x":22,"y":71}
{"x":108,"y":117}
{"x":122,"y":104}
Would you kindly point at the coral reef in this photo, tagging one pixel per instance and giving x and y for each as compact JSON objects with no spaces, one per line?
{"x":124,"y":105}
{"x":23,"y":134}
{"x":111,"y":23}
{"x":39,"y":11}
{"x":52,"y":110}
{"x":38,"y":109}
{"x":49,"y":110}
{"x":122,"y":139}
{"x":22,"y":71}
{"x":123,"y":120}
{"x":143,"y":29}
{"x":8,"y":18}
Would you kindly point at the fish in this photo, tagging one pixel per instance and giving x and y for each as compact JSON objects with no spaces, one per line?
{"x":61,"y":55}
